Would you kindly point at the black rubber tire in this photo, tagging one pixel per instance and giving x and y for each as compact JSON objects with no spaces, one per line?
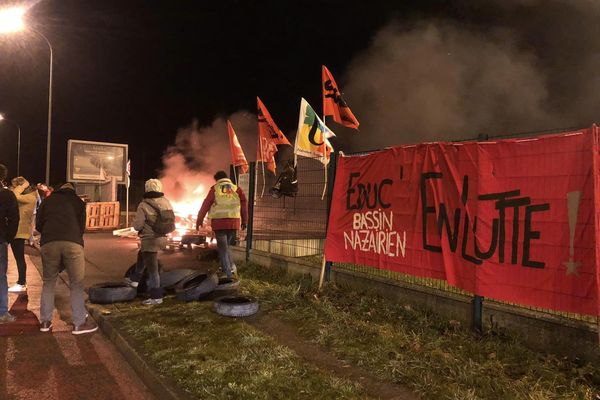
{"x":170,"y":279}
{"x":195,"y":286}
{"x":235,"y":306}
{"x":226,"y":284}
{"x":111,"y":292}
{"x":144,"y":281}
{"x":226,"y":287}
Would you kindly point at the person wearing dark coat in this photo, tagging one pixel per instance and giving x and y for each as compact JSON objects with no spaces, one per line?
{"x":9,"y":223}
{"x":61,"y":223}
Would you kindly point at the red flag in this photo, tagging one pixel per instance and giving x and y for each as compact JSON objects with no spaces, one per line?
{"x":334,"y":104}
{"x":267,"y":127}
{"x":237,"y":154}
{"x":266,"y":153}
{"x":269,"y":136}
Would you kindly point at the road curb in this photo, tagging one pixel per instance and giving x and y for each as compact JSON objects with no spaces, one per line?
{"x":162,"y":388}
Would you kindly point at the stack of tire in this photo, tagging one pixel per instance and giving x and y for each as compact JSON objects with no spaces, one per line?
{"x":189,"y":285}
{"x":117,"y":292}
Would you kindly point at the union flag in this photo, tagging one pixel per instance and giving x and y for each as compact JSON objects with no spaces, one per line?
{"x":269,"y":136}
{"x":334,"y":104}
{"x":238,"y":158}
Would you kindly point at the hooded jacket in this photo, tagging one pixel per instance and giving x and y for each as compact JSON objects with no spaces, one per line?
{"x":145,"y":218}
{"x":9,"y":215}
{"x":61,"y":217}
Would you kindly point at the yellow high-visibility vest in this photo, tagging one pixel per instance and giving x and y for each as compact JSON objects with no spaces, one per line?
{"x":227,"y":201}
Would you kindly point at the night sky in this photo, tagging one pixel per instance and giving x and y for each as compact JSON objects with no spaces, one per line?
{"x":135,"y":72}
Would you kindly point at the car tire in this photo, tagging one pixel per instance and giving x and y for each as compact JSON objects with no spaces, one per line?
{"x":225,"y":287}
{"x":196,"y":285}
{"x":111,"y":292}
{"x":235,"y":306}
{"x":144,"y":282}
{"x":170,"y":279}
{"x":226,"y":284}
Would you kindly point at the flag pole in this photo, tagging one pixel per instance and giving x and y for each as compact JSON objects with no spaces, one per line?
{"x":127,"y":204}
{"x":324,"y":156}
{"x":324,"y":261}
{"x":262,"y":162}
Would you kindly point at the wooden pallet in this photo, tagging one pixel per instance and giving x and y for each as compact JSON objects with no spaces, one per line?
{"x":102,"y":215}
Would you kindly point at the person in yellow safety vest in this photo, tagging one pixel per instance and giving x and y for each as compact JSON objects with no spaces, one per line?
{"x":227,"y":209}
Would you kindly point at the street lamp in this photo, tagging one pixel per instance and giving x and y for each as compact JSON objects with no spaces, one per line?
{"x":18,"y":140}
{"x":11,"y":21}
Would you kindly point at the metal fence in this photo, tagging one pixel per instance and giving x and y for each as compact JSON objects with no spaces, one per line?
{"x":296,"y":227}
{"x":293,"y":226}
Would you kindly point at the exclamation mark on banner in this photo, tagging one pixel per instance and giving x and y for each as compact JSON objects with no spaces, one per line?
{"x":573,"y":206}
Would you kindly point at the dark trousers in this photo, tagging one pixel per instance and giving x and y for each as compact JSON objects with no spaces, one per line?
{"x":18,"y":249}
{"x":149,"y":262}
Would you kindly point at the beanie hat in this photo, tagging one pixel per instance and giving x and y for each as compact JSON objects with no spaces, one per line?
{"x":153,"y":185}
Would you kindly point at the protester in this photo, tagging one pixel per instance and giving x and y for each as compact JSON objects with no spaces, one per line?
{"x":61,"y":222}
{"x":153,"y":220}
{"x":9,"y":223}
{"x":225,"y":204}
{"x":27,"y":198}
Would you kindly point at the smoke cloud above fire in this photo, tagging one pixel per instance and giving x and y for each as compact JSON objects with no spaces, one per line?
{"x":198,"y":152}
{"x":511,"y":66}
{"x":514,"y":66}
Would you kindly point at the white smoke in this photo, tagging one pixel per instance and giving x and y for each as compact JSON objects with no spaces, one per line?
{"x":531,"y":68}
{"x":198,"y":152}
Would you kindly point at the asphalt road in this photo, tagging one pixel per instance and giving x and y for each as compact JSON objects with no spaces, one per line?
{"x":108,"y":257}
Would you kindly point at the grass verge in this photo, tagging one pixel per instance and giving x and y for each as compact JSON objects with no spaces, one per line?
{"x":217,"y":357}
{"x":436,"y":358}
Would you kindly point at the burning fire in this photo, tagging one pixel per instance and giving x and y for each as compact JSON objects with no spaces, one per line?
{"x":189,"y":203}
{"x":186,"y":206}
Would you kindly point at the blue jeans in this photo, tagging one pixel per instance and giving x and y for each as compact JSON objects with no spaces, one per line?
{"x":223,"y":239}
{"x":3,"y":282}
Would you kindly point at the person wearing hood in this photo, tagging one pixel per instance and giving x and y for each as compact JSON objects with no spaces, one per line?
{"x":153,"y":213}
{"x":61,"y":223}
{"x":27,"y":198}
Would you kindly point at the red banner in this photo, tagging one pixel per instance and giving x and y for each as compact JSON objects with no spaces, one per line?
{"x":512,"y":220}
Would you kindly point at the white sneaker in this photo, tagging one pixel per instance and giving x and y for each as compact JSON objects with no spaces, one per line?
{"x":16,"y":288}
{"x":152,"y":302}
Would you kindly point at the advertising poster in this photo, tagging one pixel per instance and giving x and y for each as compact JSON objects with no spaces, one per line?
{"x":96,"y":161}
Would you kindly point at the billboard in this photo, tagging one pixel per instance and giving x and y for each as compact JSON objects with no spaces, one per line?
{"x":96,"y":161}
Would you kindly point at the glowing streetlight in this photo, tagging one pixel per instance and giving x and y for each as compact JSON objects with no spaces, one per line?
{"x":11,"y":21}
{"x":18,"y":140}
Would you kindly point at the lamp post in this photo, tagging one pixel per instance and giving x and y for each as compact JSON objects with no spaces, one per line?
{"x":11,"y":21}
{"x":18,"y":140}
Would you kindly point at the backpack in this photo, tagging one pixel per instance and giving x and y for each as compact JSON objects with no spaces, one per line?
{"x":165,"y":220}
